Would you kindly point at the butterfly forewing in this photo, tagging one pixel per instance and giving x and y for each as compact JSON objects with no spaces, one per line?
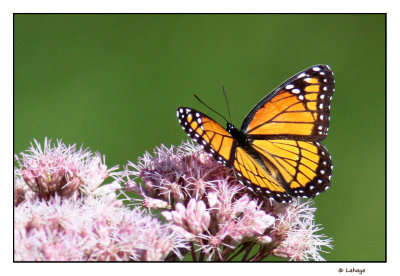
{"x":298,"y":109}
{"x":208,"y":133}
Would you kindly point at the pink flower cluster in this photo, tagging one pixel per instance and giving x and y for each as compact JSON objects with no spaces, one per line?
{"x":65,"y":212}
{"x":217,"y":215}
{"x":90,"y":229}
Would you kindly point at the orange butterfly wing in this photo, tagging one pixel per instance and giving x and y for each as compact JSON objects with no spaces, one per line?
{"x":208,"y":133}
{"x":258,"y":177}
{"x":304,"y":168}
{"x":285,"y":127}
{"x":298,"y":109}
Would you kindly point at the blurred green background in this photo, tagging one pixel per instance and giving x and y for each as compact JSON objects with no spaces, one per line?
{"x":113,"y":83}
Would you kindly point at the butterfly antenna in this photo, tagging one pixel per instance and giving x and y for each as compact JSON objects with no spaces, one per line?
{"x":210,"y":107}
{"x":227,"y":104}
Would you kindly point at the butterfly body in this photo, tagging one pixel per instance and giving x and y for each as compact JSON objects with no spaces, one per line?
{"x":276,"y":152}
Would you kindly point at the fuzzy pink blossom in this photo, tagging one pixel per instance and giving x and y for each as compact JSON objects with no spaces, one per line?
{"x":297,"y":230}
{"x":194,"y":218}
{"x":63,"y":170}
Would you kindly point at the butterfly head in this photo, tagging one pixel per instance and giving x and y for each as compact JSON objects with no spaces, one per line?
{"x":237,"y":134}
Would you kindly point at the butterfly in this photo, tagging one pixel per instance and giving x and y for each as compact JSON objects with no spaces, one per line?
{"x":276,"y":153}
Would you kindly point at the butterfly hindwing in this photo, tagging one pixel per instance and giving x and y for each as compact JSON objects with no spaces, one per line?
{"x":208,"y":133}
{"x":298,"y":109}
{"x":305,"y":168}
{"x":255,"y":176}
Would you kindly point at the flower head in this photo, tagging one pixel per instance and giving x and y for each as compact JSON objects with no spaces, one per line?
{"x":63,"y":170}
{"x":194,"y":218}
{"x":297,"y":235}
